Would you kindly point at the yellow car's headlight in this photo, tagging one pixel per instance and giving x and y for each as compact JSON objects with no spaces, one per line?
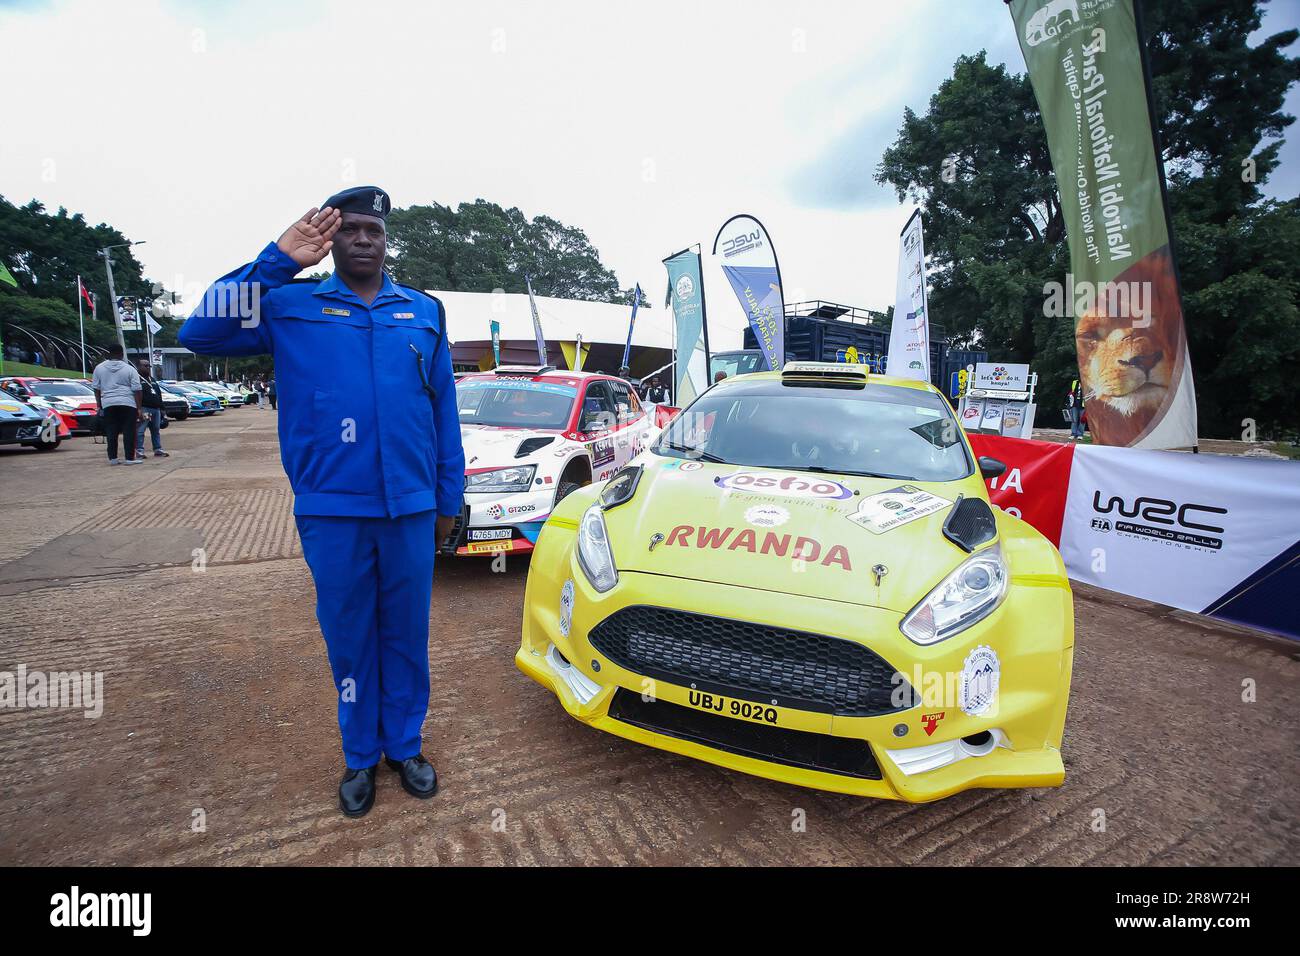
{"x":594,"y":554}
{"x":969,"y":594}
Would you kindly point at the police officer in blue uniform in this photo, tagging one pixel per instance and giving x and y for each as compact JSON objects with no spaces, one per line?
{"x":376,"y":486}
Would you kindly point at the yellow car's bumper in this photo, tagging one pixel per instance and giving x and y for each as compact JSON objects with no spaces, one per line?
{"x":917,"y":752}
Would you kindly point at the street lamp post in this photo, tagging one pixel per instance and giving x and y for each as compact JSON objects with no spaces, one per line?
{"x":107,"y":253}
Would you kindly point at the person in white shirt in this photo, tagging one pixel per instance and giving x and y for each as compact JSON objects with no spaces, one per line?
{"x":117,"y":396}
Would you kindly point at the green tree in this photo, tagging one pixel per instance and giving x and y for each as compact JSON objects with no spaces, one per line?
{"x":978,"y":163}
{"x":46,"y":252}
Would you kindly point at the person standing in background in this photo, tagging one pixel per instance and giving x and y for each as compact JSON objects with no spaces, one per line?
{"x":656,"y":393}
{"x":1074,"y":408}
{"x":270,"y":391}
{"x":117,"y":398}
{"x":151,"y":408}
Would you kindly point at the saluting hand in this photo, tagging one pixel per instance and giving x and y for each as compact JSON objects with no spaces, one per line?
{"x":310,"y":239}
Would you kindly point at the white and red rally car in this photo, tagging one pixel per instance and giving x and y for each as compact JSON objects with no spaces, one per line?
{"x":532,"y":435}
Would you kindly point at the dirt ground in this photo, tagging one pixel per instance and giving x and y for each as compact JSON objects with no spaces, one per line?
{"x":219,"y":711}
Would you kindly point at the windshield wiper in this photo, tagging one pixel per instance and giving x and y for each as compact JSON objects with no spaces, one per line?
{"x":696,"y":453}
{"x":823,"y":470}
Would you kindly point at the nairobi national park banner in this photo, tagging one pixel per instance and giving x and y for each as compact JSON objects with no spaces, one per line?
{"x":1086,"y":66}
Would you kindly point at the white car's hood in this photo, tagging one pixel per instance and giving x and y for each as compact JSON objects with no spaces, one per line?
{"x":487,"y":447}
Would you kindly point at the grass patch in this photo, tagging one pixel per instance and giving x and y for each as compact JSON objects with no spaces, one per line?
{"x":38,"y":371}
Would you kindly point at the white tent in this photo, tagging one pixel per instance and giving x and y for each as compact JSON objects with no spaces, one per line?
{"x":603,"y":327}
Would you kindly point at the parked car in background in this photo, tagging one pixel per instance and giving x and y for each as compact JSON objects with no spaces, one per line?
{"x":176,"y":406}
{"x":207,"y":388}
{"x":22,"y":423}
{"x":72,"y":399}
{"x":533,"y":435}
{"x":234,"y":394}
{"x":201,"y":403}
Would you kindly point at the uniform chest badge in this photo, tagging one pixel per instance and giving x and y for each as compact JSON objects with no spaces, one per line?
{"x":403,"y":315}
{"x":329,"y":311}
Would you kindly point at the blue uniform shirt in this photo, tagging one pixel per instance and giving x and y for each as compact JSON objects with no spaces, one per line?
{"x":359,"y":434}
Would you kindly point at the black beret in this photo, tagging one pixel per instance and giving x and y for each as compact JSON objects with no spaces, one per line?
{"x":367,"y":200}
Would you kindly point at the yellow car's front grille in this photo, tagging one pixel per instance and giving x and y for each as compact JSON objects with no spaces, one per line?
{"x":770,"y":665}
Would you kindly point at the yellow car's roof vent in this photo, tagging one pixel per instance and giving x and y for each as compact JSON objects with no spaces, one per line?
{"x":824,"y":373}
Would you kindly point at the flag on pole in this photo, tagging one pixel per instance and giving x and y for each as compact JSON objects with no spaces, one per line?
{"x":6,"y":276}
{"x":85,"y":294}
{"x":637,"y":296}
{"x":686,"y":292}
{"x":537,"y":324}
{"x":749,"y":263}
{"x":1127,"y":310}
{"x":909,"y":336}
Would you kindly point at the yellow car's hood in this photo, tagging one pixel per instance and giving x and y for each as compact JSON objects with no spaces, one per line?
{"x":748,"y":527}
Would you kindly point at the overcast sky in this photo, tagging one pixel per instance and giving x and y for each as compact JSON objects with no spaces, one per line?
{"x":204,"y":128}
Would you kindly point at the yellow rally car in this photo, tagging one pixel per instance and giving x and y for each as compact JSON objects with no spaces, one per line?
{"x":803,"y":579}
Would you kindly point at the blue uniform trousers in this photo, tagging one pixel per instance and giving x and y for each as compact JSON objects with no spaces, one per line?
{"x":374,"y":580}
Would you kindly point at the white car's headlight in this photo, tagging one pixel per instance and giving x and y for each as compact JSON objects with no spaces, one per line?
{"x":516,"y":478}
{"x":969,"y":594}
{"x":594,"y":555}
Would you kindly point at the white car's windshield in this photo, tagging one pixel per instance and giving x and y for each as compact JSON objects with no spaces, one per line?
{"x":515,"y":403}
{"x":52,"y":389}
{"x":883,"y":430}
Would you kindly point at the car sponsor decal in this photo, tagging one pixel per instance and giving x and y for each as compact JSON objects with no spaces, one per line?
{"x":767,"y":516}
{"x":489,"y":534}
{"x":790,"y":486}
{"x":518,"y":384}
{"x":566,"y":607}
{"x":496,"y":512}
{"x":980,"y":675}
{"x":690,"y":466}
{"x":930,"y":721}
{"x":896,"y":507}
{"x":602,"y":452}
{"x":796,"y":547}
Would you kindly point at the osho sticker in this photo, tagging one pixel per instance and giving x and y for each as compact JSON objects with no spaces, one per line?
{"x":979,"y":681}
{"x":566,"y":607}
{"x":789,"y":486}
{"x":767,"y":516}
{"x":892,"y":509}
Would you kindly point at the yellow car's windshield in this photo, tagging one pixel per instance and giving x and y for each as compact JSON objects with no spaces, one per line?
{"x":882,"y":430}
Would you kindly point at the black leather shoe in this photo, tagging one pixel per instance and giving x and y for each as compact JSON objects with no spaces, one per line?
{"x":419,"y":779}
{"x":357,"y":792}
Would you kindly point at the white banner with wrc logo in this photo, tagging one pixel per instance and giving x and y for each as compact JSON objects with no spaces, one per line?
{"x":1208,"y":533}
